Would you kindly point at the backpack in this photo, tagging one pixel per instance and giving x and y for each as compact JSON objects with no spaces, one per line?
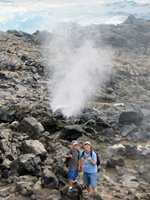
{"x":66,"y":162}
{"x":98,"y":158}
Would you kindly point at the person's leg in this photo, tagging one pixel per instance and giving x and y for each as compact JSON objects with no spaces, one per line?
{"x":89,"y":189}
{"x":86,"y":181}
{"x":70,"y":182}
{"x":75,"y":176}
{"x":94,"y":190}
{"x":93,"y":182}
{"x":72,"y":175}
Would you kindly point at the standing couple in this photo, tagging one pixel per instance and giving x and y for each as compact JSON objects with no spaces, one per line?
{"x":86,"y":161}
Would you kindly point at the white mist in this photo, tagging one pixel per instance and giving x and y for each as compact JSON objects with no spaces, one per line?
{"x":77,"y":72}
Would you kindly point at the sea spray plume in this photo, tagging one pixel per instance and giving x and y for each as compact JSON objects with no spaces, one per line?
{"x":79,"y":69}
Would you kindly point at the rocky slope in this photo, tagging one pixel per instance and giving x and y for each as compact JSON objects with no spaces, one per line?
{"x":32,"y":138}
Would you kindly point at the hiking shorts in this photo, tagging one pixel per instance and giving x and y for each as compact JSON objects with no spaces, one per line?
{"x":72,"y":174}
{"x":90,"y":179}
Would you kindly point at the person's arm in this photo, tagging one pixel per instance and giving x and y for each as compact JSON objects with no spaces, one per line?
{"x":68,"y":154}
{"x":80,"y":162}
{"x":93,"y":159}
{"x":79,"y":165}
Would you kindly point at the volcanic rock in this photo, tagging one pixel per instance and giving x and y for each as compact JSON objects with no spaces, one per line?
{"x":131,"y":116}
{"x":33,"y":139}
{"x":48,"y":179}
{"x":33,"y":146}
{"x":115,"y":161}
{"x":32,"y":126}
{"x":26,"y":164}
{"x":71,"y":132}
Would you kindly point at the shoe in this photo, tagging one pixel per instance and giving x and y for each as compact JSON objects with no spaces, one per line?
{"x":70,"y":188}
{"x":75,"y":181}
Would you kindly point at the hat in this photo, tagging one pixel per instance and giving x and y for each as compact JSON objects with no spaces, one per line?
{"x":87,"y":142}
{"x":74,"y":142}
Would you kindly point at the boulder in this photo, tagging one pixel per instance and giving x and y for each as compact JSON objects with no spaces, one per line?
{"x":14,"y":125}
{"x":131,"y":116}
{"x":6,"y":134}
{"x":58,"y":114}
{"x":59,"y":168}
{"x":5,"y":145}
{"x":47,"y":140}
{"x":31,"y":126}
{"x":7,"y":114}
{"x":139,"y":196}
{"x":6,"y":164}
{"x":139,"y":136}
{"x":128,"y":129}
{"x":5,"y":168}
{"x":143,"y":167}
{"x":102,"y":123}
{"x":131,"y":151}
{"x":91,"y":122}
{"x":105,"y":98}
{"x":33,"y":146}
{"x":26,"y":164}
{"x":88,"y":114}
{"x":91,"y":132}
{"x":74,"y":194}
{"x":71,"y":132}
{"x":129,"y":181}
{"x":95,"y":196}
{"x":145,"y":153}
{"x":37,"y":186}
{"x":135,"y":133}
{"x":1,"y":135}
{"x":115,"y":161}
{"x":48,"y":179}
{"x":109,"y":180}
{"x":5,"y":192}
{"x":46,"y":194}
{"x":49,"y":122}
{"x":24,"y":185}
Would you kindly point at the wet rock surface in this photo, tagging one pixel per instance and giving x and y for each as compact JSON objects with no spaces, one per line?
{"x":117,"y":123}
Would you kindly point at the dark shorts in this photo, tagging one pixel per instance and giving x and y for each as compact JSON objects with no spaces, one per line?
{"x":72,"y":174}
{"x":90,"y":179}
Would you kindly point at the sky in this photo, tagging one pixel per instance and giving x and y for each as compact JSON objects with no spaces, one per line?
{"x":46,"y":14}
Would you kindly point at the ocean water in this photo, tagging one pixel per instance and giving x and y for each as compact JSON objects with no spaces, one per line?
{"x":32,"y":15}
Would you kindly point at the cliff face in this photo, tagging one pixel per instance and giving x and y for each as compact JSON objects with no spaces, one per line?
{"x":32,"y":138}
{"x":22,"y":71}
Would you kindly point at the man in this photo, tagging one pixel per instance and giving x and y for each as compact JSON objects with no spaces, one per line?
{"x":89,"y":168}
{"x":74,"y":164}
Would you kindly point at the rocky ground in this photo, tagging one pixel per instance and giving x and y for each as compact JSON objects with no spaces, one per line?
{"x":33,"y":139}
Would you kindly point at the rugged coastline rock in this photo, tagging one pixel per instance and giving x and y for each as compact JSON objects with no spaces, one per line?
{"x":33,"y":139}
